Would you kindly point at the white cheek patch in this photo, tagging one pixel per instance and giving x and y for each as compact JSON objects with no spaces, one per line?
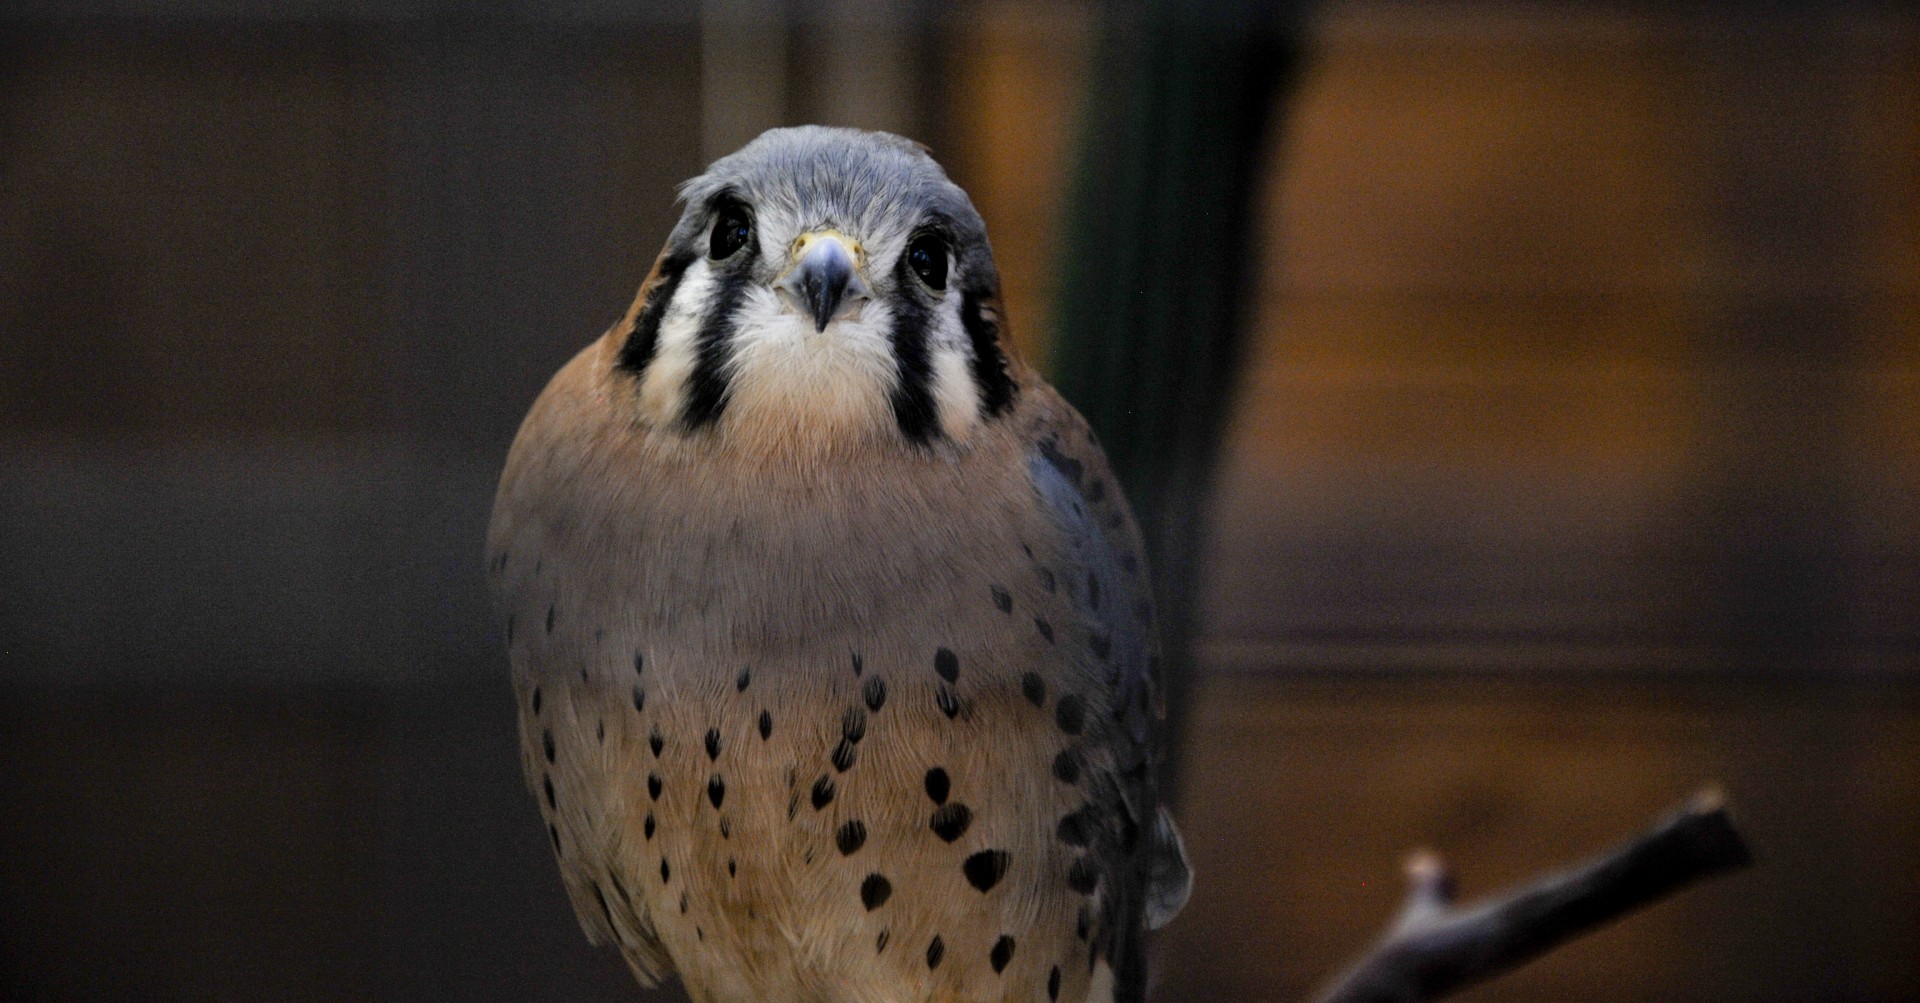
{"x":956,"y":395}
{"x":664,"y":385}
{"x":797,"y":384}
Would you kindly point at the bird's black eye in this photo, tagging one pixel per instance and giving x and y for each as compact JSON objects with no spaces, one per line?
{"x":927,"y":256}
{"x":732,"y":227}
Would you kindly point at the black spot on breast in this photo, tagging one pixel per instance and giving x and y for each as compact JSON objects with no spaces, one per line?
{"x":1053,"y":983}
{"x":648,"y":826}
{"x":1069,"y":467}
{"x":822,"y":792}
{"x":947,"y":664}
{"x":733,"y":868}
{"x":938,"y":785}
{"x":950,"y":821}
{"x":948,"y":701}
{"x":1066,"y":767}
{"x":666,"y":871}
{"x":716,"y":789}
{"x":549,"y":619}
{"x":984,"y":869}
{"x":683,"y":903}
{"x":713,"y":743}
{"x":843,"y":756}
{"x":639,"y":663}
{"x":875,"y":891}
{"x":850,"y":837}
{"x":1001,"y":954}
{"x":1083,"y":876}
{"x":639,"y":699}
{"x":653,"y":786}
{"x":547,"y":782}
{"x":726,"y":826}
{"x":880,"y":942}
{"x":553,"y":834}
{"x":1070,"y":714}
{"x":600,"y":732}
{"x":546,"y":744}
{"x":857,"y":665}
{"x":746,"y":677}
{"x":1097,"y":491}
{"x":766,"y":725}
{"x":1034,"y":688}
{"x":1047,"y":580}
{"x":936,"y":950}
{"x":1045,"y":629}
{"x":1076,"y":827}
{"x":536,"y":699}
{"x":853,"y":724}
{"x":1002,"y":600}
{"x":874,"y":692}
{"x":655,"y":741}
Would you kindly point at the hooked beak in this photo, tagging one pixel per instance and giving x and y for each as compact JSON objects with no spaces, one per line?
{"x":825,"y":280}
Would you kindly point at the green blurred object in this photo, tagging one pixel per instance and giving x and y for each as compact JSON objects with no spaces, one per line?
{"x":1160,"y":266}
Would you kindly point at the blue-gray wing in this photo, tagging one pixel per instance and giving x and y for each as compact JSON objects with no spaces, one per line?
{"x":1103,"y":570}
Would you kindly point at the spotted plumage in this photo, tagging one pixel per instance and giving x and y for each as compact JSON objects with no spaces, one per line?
{"x":845,"y":641}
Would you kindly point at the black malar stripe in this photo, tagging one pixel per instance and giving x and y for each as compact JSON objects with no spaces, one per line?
{"x":638,"y":351}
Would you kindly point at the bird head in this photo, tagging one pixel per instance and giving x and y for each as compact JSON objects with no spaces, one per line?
{"x":822,"y":286}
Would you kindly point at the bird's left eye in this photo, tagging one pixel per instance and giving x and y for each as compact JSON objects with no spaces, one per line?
{"x":731,"y":229}
{"x":927,"y":256}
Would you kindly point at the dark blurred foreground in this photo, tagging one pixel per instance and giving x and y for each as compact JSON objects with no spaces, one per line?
{"x":1576,"y":463}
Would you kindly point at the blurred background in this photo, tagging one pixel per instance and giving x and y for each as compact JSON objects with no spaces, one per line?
{"x":1560,"y":405}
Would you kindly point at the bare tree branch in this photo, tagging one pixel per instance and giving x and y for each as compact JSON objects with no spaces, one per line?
{"x":1435,"y":949}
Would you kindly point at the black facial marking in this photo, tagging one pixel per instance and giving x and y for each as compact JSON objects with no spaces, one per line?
{"x":875,"y":891}
{"x":1066,"y":767}
{"x":713,"y":743}
{"x":850,"y":837}
{"x":1070,"y":714}
{"x":874,"y":692}
{"x":983,"y":869}
{"x":766,"y":725}
{"x":950,"y":821}
{"x":947,"y":664}
{"x":638,"y":351}
{"x":822,"y":792}
{"x":1002,"y":600}
{"x":936,"y":950}
{"x":843,"y":756}
{"x":716,"y":789}
{"x":989,"y":362}
{"x":938,"y":784}
{"x":1002,"y":953}
{"x":1034,"y":688}
{"x":912,"y":398}
{"x":709,"y":386}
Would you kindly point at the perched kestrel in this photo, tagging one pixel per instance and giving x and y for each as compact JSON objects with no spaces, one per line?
{"x":829,"y":625}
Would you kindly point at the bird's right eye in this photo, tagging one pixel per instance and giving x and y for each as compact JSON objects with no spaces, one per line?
{"x":732,"y":228}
